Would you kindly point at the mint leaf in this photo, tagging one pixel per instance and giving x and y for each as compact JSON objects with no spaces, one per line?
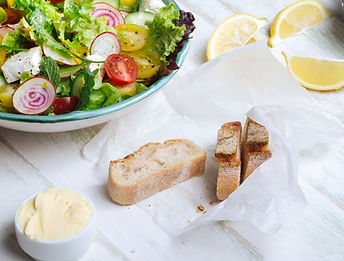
{"x":50,"y":70}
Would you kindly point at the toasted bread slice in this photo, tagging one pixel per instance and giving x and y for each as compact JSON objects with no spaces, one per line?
{"x":152,"y":168}
{"x":255,"y":147}
{"x":227,"y":155}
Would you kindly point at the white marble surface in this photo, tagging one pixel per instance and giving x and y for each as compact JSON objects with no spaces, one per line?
{"x":29,"y":162}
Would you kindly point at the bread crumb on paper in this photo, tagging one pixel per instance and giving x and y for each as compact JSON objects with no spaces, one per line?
{"x":200,"y":208}
{"x":189,"y":221}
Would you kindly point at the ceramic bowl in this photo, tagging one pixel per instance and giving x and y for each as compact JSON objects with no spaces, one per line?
{"x":69,"y":249}
{"x":82,"y":119}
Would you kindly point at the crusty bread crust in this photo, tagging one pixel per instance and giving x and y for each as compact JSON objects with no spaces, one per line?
{"x":127,"y":194}
{"x":255,"y":147}
{"x":227,"y":155}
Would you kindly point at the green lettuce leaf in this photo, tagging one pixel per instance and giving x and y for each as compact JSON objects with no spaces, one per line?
{"x":88,"y":79}
{"x":112,"y":94}
{"x":54,"y":27}
{"x":14,"y":41}
{"x":163,"y":33}
{"x":64,"y":88}
{"x":44,"y":30}
{"x":77,"y":14}
{"x":27,"y":5}
{"x":25,"y":76}
{"x":3,"y":15}
{"x":140,"y":88}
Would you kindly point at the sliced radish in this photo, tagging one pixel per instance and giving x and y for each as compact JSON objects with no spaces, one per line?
{"x":105,"y":44}
{"x":4,"y":30}
{"x":124,"y":13}
{"x":58,"y":56}
{"x":112,"y":15}
{"x":34,"y":96}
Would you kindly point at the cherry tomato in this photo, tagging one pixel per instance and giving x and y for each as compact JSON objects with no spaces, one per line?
{"x":147,"y":61}
{"x":135,"y":36}
{"x":130,"y":3}
{"x":13,"y":16}
{"x":65,"y":104}
{"x":121,"y":69}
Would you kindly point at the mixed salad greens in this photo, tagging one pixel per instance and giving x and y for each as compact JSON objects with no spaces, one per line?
{"x":58,"y":56}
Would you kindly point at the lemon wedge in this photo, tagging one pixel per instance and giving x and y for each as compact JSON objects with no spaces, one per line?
{"x":295,"y":18}
{"x":235,"y":31}
{"x":316,"y":74}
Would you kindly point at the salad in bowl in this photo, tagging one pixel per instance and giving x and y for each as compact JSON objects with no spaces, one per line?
{"x":62,"y":56}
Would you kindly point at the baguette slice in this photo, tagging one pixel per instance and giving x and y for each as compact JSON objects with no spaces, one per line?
{"x":255,"y":147}
{"x":153,"y":168}
{"x":227,"y":155}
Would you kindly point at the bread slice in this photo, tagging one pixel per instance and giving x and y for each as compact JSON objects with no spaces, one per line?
{"x":153,"y":168}
{"x":227,"y":155}
{"x":255,"y":147}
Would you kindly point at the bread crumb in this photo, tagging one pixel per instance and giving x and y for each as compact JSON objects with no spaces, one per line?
{"x":200,"y":208}
{"x":212,"y":203}
{"x":189,"y":221}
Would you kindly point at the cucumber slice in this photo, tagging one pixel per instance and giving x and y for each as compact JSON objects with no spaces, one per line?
{"x":78,"y":85}
{"x":114,"y":3}
{"x":126,"y":8}
{"x":68,"y":71}
{"x":139,"y":18}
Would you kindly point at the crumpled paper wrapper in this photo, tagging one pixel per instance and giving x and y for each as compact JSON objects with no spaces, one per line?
{"x":248,"y":81}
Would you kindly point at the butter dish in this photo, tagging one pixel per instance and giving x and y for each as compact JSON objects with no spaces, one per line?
{"x":35,"y":239}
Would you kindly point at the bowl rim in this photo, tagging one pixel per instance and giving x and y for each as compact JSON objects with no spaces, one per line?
{"x":89,"y":226}
{"x":81,"y":115}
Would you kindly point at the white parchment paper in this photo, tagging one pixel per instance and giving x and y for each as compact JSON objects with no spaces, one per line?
{"x":246,"y":81}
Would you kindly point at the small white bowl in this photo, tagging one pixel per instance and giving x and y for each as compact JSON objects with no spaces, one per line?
{"x":69,"y":249}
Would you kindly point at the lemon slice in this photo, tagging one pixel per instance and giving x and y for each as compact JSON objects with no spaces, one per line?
{"x":254,"y":39}
{"x":295,"y":18}
{"x":235,"y":31}
{"x":316,"y":74}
